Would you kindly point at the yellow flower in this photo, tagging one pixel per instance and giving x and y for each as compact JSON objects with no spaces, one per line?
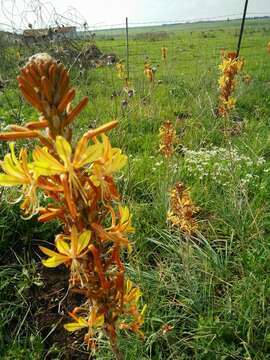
{"x":130,"y":300}
{"x":46,"y":164}
{"x":111,"y":161}
{"x":94,"y":321}
{"x":68,"y":253}
{"x":164,"y":52}
{"x":19,"y":172}
{"x":120,"y":68}
{"x":117,"y":232}
{"x":182,"y":210}
{"x":132,"y":294}
{"x":230,"y":103}
{"x":79,"y":323}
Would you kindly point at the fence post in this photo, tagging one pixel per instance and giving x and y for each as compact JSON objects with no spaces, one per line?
{"x":242,"y":28}
{"x":127,"y":49}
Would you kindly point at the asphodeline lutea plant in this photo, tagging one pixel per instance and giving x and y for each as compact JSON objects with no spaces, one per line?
{"x":182,"y":211}
{"x":268,"y":47}
{"x":77,"y":178}
{"x":120,"y":68}
{"x":168,"y":139}
{"x":164,"y":53}
{"x":128,"y":88}
{"x":247,"y":78}
{"x":231,"y":65}
{"x":148,"y":72}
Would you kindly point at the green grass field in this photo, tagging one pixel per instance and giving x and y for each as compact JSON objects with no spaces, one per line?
{"x":208,"y":295}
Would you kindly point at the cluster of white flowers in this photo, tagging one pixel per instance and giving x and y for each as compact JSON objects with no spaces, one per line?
{"x":221,"y":165}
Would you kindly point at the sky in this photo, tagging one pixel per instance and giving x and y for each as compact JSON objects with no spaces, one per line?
{"x":102,"y":13}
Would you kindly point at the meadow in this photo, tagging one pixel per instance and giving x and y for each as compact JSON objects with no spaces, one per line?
{"x":208,"y":293}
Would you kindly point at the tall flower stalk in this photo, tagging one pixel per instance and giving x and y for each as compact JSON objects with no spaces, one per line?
{"x":78,"y":179}
{"x":182,"y":211}
{"x":164,"y":53}
{"x":148,"y":72}
{"x":231,"y":65}
{"x":120,"y":68}
{"x":168,"y":139}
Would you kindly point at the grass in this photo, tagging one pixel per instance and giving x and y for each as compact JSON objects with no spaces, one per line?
{"x":208,"y":297}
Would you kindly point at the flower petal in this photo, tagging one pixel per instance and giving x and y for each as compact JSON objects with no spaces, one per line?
{"x":45,"y":164}
{"x":48,"y":252}
{"x":12,"y":168}
{"x":76,"y":325}
{"x":63,"y":149}
{"x":98,"y":321}
{"x":118,"y":161}
{"x":54,"y":261}
{"x":85,"y":154}
{"x":62,"y":247}
{"x":8,"y":180}
{"x":83,"y":241}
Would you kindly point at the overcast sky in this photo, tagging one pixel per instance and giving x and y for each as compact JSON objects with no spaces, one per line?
{"x":19,"y":13}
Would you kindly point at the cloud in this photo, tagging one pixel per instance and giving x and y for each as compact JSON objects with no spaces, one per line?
{"x":114,"y":11}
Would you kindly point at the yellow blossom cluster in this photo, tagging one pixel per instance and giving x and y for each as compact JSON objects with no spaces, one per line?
{"x":164,"y":53}
{"x":168,"y":139}
{"x":120,"y":68}
{"x":149,"y":72}
{"x":182,"y":210}
{"x":231,"y":65}
{"x":78,"y":179}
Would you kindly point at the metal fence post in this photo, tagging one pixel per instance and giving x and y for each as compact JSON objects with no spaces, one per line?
{"x":127,"y":49}
{"x":242,"y":28}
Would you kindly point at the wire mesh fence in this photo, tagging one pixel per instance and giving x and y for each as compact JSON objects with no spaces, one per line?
{"x":193,"y":47}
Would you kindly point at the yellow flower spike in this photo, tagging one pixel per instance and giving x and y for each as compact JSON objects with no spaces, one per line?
{"x":120,"y":68}
{"x":182,"y":210}
{"x":164,"y":53}
{"x":168,"y":139}
{"x":63,"y":172}
{"x":230,"y":67}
